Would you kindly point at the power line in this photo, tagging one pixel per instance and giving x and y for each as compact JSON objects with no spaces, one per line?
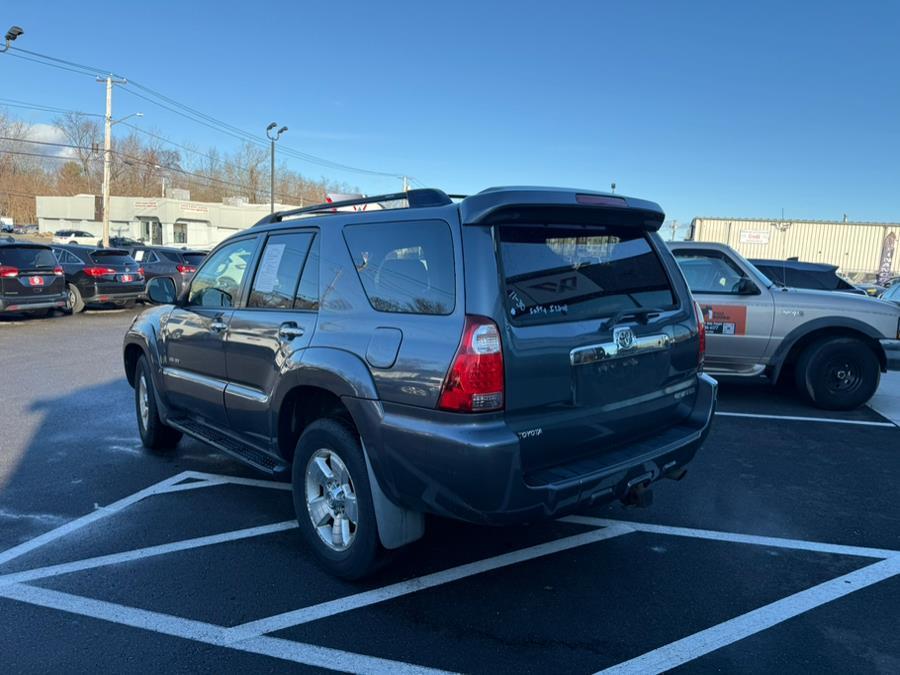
{"x":196,"y":115}
{"x":131,"y":158}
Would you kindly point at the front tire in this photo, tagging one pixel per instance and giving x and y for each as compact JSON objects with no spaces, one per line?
{"x":333,"y":500}
{"x":155,"y":434}
{"x":838,"y":373}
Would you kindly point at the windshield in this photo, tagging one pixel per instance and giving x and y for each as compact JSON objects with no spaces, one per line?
{"x":110,"y":257}
{"x":566,"y":273}
{"x":27,"y":257}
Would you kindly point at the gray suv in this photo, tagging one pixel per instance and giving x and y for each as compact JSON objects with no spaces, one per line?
{"x":521,"y":354}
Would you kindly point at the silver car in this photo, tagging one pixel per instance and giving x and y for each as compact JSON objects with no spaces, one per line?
{"x":834,"y":345}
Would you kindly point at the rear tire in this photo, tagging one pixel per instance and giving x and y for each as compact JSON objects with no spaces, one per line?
{"x":331,"y":486}
{"x":838,"y":373}
{"x":155,"y":434}
{"x":75,"y":301}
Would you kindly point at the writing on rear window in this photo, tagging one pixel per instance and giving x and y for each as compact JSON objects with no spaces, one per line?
{"x":559,"y":273}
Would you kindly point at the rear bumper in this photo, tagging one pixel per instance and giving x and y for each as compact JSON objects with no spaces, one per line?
{"x":892,"y":353}
{"x":23,"y":305}
{"x":471,"y":470}
{"x":116,"y":296}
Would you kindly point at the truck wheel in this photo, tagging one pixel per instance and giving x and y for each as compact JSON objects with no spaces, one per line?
{"x":155,"y":435}
{"x":333,"y":500}
{"x":74,"y":303}
{"x":838,"y":373}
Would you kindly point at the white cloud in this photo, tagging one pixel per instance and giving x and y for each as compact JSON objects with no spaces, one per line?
{"x":48,"y":133}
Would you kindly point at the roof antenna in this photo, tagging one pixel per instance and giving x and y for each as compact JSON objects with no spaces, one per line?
{"x":612,"y":186}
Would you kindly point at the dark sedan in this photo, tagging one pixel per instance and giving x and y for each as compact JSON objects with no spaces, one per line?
{"x":99,"y":276}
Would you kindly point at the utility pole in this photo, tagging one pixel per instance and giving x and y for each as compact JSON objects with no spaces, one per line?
{"x":107,"y":153}
{"x":272,"y":168}
{"x":674,"y":227}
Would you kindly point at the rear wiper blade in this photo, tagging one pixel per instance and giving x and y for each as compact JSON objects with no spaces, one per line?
{"x":642,"y":314}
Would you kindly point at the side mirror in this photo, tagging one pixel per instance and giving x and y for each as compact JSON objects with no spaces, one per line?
{"x":746,"y":287}
{"x":161,"y":291}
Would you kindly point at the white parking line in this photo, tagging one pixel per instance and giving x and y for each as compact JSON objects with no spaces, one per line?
{"x":793,"y":418}
{"x":141,"y":553}
{"x":238,"y":480}
{"x":737,"y":538}
{"x":198,"y":631}
{"x":376,"y":595}
{"x":78,"y":523}
{"x":705,"y":641}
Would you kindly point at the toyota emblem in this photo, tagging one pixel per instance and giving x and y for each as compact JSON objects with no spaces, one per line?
{"x":624,"y":338}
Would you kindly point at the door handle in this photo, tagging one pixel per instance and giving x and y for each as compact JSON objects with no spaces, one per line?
{"x":217,"y":326}
{"x":289,"y":331}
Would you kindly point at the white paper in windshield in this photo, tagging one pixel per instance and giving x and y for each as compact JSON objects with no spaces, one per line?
{"x":267,"y":275}
{"x":139,"y":255}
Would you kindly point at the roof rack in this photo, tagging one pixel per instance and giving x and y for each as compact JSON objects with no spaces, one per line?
{"x":416,"y":199}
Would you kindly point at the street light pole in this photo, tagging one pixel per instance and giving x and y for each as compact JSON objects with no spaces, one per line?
{"x":272,"y":139}
{"x":107,"y":153}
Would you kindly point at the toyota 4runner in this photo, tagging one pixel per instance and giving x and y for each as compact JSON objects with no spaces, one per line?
{"x":523,"y":353}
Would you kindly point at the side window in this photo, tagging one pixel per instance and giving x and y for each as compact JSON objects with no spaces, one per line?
{"x":150,"y":257}
{"x":308,"y":290}
{"x":278,"y":272}
{"x":70,"y":258}
{"x":709,"y":272}
{"x":218,"y":282}
{"x":405,"y":267}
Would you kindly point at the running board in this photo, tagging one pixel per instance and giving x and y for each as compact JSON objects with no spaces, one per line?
{"x":750,"y":371}
{"x":259,"y":460}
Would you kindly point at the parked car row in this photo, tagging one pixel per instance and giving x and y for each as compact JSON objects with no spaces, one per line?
{"x":40,"y":279}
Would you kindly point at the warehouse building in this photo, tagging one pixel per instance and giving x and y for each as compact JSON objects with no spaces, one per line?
{"x":860,"y":250}
{"x":173,"y":220}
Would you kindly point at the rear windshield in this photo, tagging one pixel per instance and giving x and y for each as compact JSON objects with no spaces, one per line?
{"x":562,"y":273}
{"x":27,"y":257}
{"x":194,"y":258}
{"x":112,"y":258}
{"x":174,"y":256}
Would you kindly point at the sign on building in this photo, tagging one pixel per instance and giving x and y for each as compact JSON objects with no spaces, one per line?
{"x":754,"y":236}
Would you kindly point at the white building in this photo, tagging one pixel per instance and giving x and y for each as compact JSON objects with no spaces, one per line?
{"x":155,"y":220}
{"x":857,"y":248}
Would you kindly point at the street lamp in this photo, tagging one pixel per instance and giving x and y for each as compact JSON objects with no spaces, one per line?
{"x":11,"y":35}
{"x":273,"y":138}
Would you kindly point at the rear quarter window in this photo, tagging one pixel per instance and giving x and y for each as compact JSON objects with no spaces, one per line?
{"x":405,"y":267}
{"x":568,"y":273}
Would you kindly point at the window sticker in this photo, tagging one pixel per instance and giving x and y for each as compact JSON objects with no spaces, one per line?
{"x":267,"y":275}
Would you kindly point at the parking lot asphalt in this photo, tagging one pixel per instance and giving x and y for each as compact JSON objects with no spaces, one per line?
{"x":777,"y":552}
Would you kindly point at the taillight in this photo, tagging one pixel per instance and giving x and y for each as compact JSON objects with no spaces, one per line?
{"x":8,"y":271}
{"x":474,"y":382}
{"x":186,"y":269}
{"x":701,"y":334}
{"x":99,"y":271}
{"x":58,"y":271}
{"x":140,"y":271}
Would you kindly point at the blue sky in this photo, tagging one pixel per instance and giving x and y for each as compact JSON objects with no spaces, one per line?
{"x":709,"y":108}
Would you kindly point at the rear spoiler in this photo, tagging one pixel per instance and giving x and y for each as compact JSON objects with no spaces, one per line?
{"x":547,"y":205}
